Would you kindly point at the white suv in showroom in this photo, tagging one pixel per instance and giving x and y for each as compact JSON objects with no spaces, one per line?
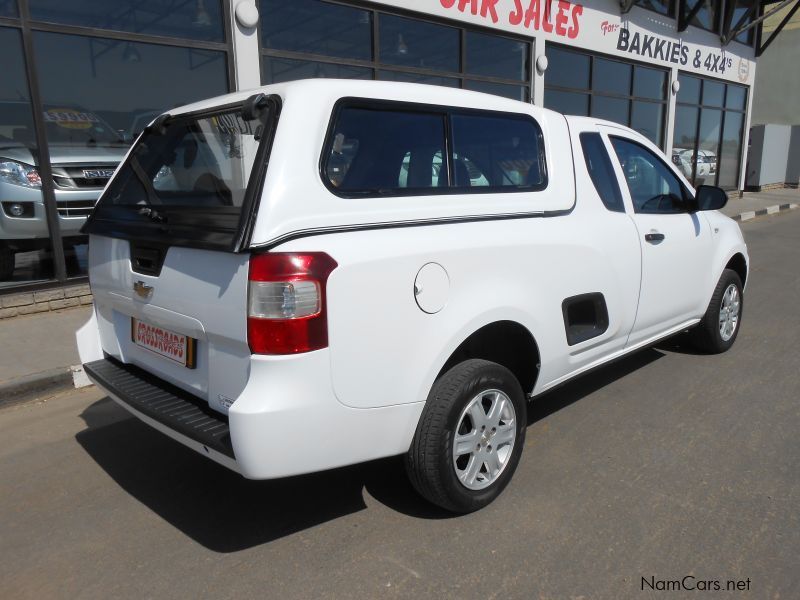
{"x":328,"y":272}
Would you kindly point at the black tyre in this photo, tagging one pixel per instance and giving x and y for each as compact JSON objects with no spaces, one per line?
{"x":469,"y":438}
{"x":719,"y":327}
{"x":6,"y":263}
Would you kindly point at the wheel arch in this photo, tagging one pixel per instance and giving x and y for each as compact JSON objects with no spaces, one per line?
{"x":738,"y":263}
{"x":504,"y":342}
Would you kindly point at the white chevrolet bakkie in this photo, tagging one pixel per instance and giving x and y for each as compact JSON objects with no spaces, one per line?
{"x":326,"y":272}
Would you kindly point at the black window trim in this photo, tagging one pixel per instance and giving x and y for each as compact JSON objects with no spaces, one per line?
{"x":446,"y":111}
{"x":615,"y":179}
{"x":688,"y":198}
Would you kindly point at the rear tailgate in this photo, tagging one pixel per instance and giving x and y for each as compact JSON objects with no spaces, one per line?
{"x":200,"y":295}
{"x":168,"y":277}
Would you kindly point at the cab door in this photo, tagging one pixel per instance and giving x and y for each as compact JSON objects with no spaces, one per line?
{"x":675,"y":240}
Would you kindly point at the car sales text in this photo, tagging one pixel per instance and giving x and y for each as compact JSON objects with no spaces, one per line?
{"x":551,"y":16}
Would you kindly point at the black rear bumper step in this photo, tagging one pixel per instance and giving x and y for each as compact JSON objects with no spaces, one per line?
{"x":171,"y":406}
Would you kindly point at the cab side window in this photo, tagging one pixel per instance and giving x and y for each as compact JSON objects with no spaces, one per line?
{"x":654,"y":188}
{"x":601,"y":171}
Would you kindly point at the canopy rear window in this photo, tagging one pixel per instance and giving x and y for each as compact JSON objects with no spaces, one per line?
{"x":189,"y":181}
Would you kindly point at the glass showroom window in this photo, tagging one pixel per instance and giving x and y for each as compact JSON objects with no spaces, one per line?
{"x":195,"y":20}
{"x":24,"y":236}
{"x":709,"y":127}
{"x":313,"y":38}
{"x":631,"y":94}
{"x":663,"y":7}
{"x":95,"y":103}
{"x":104,"y":69}
{"x":707,"y":16}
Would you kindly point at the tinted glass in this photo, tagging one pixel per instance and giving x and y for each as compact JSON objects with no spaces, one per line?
{"x":736,"y":97}
{"x":611,"y":76}
{"x":731,"y":150}
{"x":684,"y":140}
{"x":601,"y":171}
{"x":96,"y":103}
{"x":648,"y":118}
{"x":569,"y":103}
{"x":200,"y":20}
{"x":567,"y":69}
{"x":660,"y":6}
{"x":706,"y":16}
{"x":277,"y":70}
{"x":515,"y":92}
{"x":613,"y":109}
{"x":708,"y":146}
{"x":654,"y":188}
{"x":104,"y":77}
{"x":740,"y":9}
{"x":496,"y":56}
{"x":316,"y":27}
{"x":186,"y":183}
{"x":23,"y":224}
{"x":415,"y":43}
{"x":649,"y":83}
{"x":375,"y":152}
{"x":8,"y":8}
{"x":416,"y":78}
{"x":689,"y":89}
{"x":491,"y":151}
{"x":713,"y":91}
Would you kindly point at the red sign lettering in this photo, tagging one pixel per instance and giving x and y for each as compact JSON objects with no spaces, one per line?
{"x":563,"y":19}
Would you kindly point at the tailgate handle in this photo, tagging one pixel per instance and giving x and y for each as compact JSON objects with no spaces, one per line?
{"x":147,"y":260}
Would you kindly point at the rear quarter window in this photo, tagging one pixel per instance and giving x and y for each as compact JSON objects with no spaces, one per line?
{"x":598,"y":163}
{"x":393,"y":150}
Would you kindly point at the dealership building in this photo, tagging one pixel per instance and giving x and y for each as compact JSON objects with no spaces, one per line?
{"x":83,"y":78}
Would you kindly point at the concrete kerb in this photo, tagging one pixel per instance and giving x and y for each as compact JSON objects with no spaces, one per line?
{"x":769,"y":210}
{"x":29,"y":387}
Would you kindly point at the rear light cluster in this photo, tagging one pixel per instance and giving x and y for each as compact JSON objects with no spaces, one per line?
{"x":286,"y":307}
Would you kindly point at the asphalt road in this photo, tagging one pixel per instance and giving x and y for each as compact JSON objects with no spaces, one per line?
{"x":665,"y":465}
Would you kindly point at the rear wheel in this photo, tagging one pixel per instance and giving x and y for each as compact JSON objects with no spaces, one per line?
{"x":6,"y":263}
{"x":470,"y":436}
{"x":719,"y":327}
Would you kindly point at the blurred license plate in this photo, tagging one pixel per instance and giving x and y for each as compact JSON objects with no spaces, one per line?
{"x":176,"y":347}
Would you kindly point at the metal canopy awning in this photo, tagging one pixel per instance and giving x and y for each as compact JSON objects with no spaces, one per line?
{"x":757,"y":11}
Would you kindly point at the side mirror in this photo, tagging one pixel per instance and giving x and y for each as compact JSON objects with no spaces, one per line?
{"x":709,"y":197}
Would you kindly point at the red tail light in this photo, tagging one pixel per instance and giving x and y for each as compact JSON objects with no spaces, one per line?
{"x":286,"y":307}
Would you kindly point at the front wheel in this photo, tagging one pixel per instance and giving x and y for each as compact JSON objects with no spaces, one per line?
{"x":720,"y":325}
{"x":470,"y":436}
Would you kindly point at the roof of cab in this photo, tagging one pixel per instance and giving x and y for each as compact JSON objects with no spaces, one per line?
{"x":388,"y":90}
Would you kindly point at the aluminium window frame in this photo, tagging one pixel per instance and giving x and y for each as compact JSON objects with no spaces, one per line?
{"x":630,"y":97}
{"x":724,"y":109}
{"x":375,"y":65}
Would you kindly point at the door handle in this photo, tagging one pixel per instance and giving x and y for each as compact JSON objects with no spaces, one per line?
{"x":654,"y":237}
